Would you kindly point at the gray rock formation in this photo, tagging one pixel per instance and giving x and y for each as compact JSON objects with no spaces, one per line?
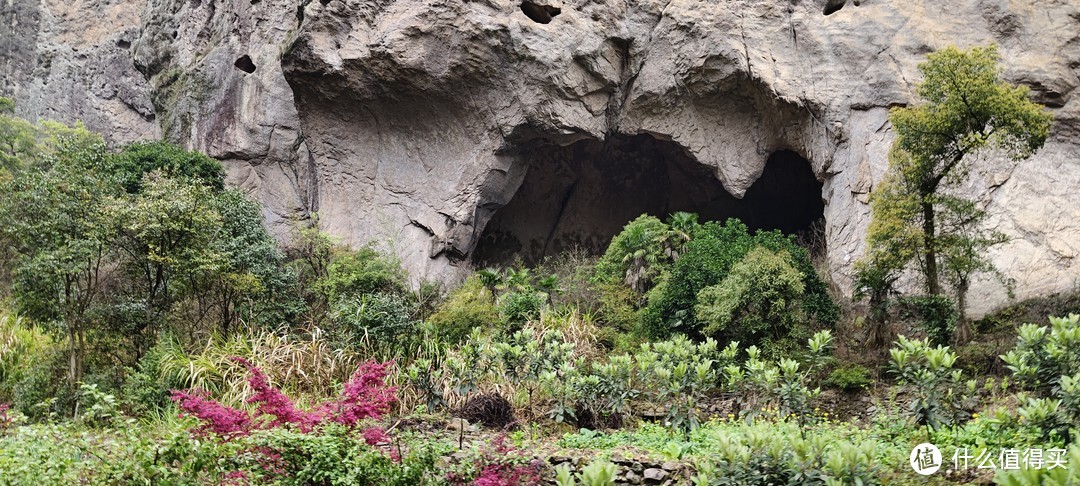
{"x":413,"y":122}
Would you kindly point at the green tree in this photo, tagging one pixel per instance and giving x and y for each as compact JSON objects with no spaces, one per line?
{"x":710,"y":254}
{"x":18,"y":140}
{"x":637,"y":255}
{"x":57,"y":220}
{"x":136,"y":160}
{"x":759,"y":298}
{"x":167,"y":234}
{"x":251,"y":284}
{"x":966,"y":109}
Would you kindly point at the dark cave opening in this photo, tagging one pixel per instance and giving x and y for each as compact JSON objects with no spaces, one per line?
{"x":245,"y":64}
{"x":541,"y":14}
{"x":582,"y":194}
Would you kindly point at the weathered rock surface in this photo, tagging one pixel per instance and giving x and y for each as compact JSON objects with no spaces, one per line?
{"x":411,"y":122}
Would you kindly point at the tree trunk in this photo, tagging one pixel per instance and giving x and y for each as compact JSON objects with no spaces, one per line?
{"x":962,"y":333}
{"x":930,"y":247}
{"x":73,"y":374}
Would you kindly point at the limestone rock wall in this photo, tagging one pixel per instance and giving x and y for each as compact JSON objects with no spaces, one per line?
{"x":409,"y":122}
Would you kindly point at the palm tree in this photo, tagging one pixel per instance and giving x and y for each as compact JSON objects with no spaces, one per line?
{"x":490,"y":278}
{"x":682,"y":226}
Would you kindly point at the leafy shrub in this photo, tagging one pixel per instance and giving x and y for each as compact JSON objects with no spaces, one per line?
{"x":379,"y":322}
{"x":528,"y":356}
{"x":333,"y":455}
{"x":678,"y":373}
{"x":466,"y":308}
{"x":849,"y":377}
{"x":28,"y":363}
{"x":758,"y":298}
{"x":936,"y":314}
{"x":1044,"y":354}
{"x":1046,"y":361}
{"x":940,"y":397}
{"x":1057,"y":476}
{"x":710,"y":254}
{"x":517,"y":308}
{"x":360,"y":272}
{"x":784,"y":385}
{"x":141,"y":158}
{"x":636,"y":255}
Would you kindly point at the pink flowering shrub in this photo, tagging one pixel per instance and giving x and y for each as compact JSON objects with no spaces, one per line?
{"x":273,"y":403}
{"x":364,"y":396}
{"x":500,"y":465}
{"x":6,"y":420}
{"x":219,"y":419}
{"x":375,"y":436}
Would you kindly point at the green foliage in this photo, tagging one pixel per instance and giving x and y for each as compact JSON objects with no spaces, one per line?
{"x":28,"y":365}
{"x":967,"y":109}
{"x":18,"y":141}
{"x":758,"y":298}
{"x":335,"y":456}
{"x":1044,"y":354}
{"x":939,"y":394}
{"x":1066,"y":475}
{"x":1046,"y":360}
{"x":136,"y":160}
{"x":363,"y":271}
{"x":760,"y":385}
{"x":517,"y":308}
{"x":167,"y":240}
{"x":380,"y":323}
{"x":849,"y":377}
{"x":679,"y":373}
{"x":468,"y":307}
{"x":636,"y":255}
{"x":936,"y":314}
{"x":710,"y":255}
{"x":58,"y":223}
{"x":253,"y":285}
{"x":573,"y":270}
{"x":598,"y":472}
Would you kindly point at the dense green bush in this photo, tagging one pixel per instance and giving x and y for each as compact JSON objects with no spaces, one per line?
{"x":710,"y":254}
{"x":380,"y":322}
{"x":636,"y":255}
{"x":758,"y":299}
{"x":1046,"y":360}
{"x":849,"y":377}
{"x":939,"y":396}
{"x":136,"y":160}
{"x":363,"y":271}
{"x":467,"y":307}
{"x":517,"y":308}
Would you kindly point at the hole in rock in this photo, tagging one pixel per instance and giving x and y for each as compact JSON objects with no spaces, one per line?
{"x":244,"y":64}
{"x":540,"y":14}
{"x":833,"y":6}
{"x":582,"y":195}
{"x":123,"y":44}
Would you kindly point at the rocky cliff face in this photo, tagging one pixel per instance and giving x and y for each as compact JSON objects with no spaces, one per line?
{"x":416,"y":123}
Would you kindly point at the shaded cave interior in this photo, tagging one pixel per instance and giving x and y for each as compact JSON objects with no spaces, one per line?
{"x":581,"y":195}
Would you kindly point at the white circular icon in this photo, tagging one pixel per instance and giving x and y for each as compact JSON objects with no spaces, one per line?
{"x":926,"y":459}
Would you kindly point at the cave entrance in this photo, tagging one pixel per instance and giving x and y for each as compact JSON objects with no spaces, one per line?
{"x":581,"y":195}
